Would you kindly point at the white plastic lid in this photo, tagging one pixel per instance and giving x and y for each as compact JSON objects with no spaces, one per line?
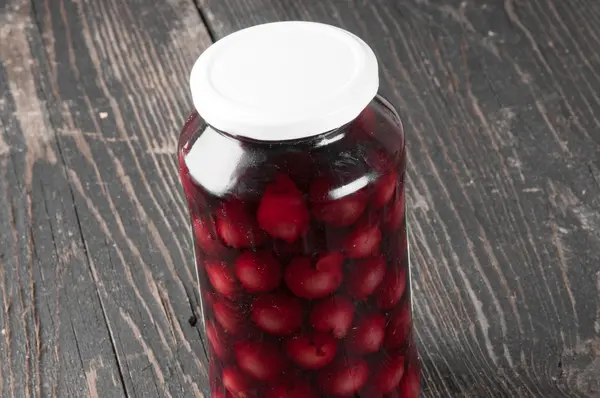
{"x":284,"y":80}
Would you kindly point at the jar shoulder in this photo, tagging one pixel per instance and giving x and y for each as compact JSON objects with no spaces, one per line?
{"x":336,"y":164}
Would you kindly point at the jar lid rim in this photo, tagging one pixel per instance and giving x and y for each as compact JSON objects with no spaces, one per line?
{"x":284,"y":80}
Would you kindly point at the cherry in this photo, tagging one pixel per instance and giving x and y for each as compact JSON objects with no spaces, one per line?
{"x":339,"y":212}
{"x":384,"y":189}
{"x":221,"y":277}
{"x":259,"y":359}
{"x":368,"y":334}
{"x":315,"y":281}
{"x":217,"y":339}
{"x":208,"y":298}
{"x":282,"y":212}
{"x":333,"y":315}
{"x":366,"y":276}
{"x":237,"y":383}
{"x":398,"y":327}
{"x":380,"y":161}
{"x":229,"y":316}
{"x":277,"y":313}
{"x":365,"y":124}
{"x":258,"y":272}
{"x":363,"y":240}
{"x":344,"y":378}
{"x":410,"y":386}
{"x":206,"y":239}
{"x":236,"y":227}
{"x":395,"y":214}
{"x":392,"y":288}
{"x":311,"y":351}
{"x":308,"y":244}
{"x":389,"y":373}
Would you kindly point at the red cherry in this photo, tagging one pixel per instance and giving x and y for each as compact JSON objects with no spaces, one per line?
{"x":333,"y":315}
{"x":392,"y":288}
{"x":395,"y":215}
{"x":217,"y":339}
{"x":236,"y":227}
{"x":222,"y":278}
{"x":344,"y":378}
{"x":337,"y":212}
{"x":368,"y":334}
{"x":282,"y":212}
{"x":380,"y":160}
{"x":384,"y":189}
{"x":366,"y":276}
{"x":259,"y":359}
{"x":389,"y":373}
{"x":315,"y":281}
{"x":229,"y":316}
{"x":296,"y":388}
{"x":307,"y":244}
{"x":277,"y":313}
{"x":237,"y":383}
{"x":217,"y":389}
{"x":399,"y":247}
{"x":367,"y":121}
{"x":363,"y":240}
{"x":206,"y":238}
{"x":365,"y":124}
{"x":311,"y":351}
{"x":398,"y":327}
{"x":208,"y":298}
{"x":410,"y":386}
{"x":258,"y":272}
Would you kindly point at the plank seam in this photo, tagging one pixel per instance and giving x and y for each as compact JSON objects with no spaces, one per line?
{"x":205,"y":20}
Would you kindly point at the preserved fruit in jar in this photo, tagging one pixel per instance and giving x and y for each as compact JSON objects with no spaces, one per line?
{"x":293,"y":169}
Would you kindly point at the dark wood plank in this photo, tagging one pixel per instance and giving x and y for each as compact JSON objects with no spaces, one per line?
{"x":96,"y":269}
{"x":54,"y":335}
{"x":500,"y":101}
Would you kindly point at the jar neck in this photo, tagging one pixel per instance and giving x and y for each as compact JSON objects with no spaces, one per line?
{"x":317,"y":140}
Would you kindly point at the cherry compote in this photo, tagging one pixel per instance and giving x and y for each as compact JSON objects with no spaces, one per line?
{"x":302,"y":259}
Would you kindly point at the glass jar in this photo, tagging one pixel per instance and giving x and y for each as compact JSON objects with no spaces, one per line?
{"x":298,"y":217}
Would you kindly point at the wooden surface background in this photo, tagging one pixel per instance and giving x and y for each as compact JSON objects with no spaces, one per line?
{"x":501,"y":103}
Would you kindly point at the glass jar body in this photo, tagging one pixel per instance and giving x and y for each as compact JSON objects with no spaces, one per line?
{"x":302,"y":259}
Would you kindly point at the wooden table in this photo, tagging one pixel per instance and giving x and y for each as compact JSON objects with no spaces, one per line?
{"x":501,"y":103}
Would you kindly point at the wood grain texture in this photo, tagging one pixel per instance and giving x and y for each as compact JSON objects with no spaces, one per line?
{"x":500,"y":101}
{"x":96,"y":275}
